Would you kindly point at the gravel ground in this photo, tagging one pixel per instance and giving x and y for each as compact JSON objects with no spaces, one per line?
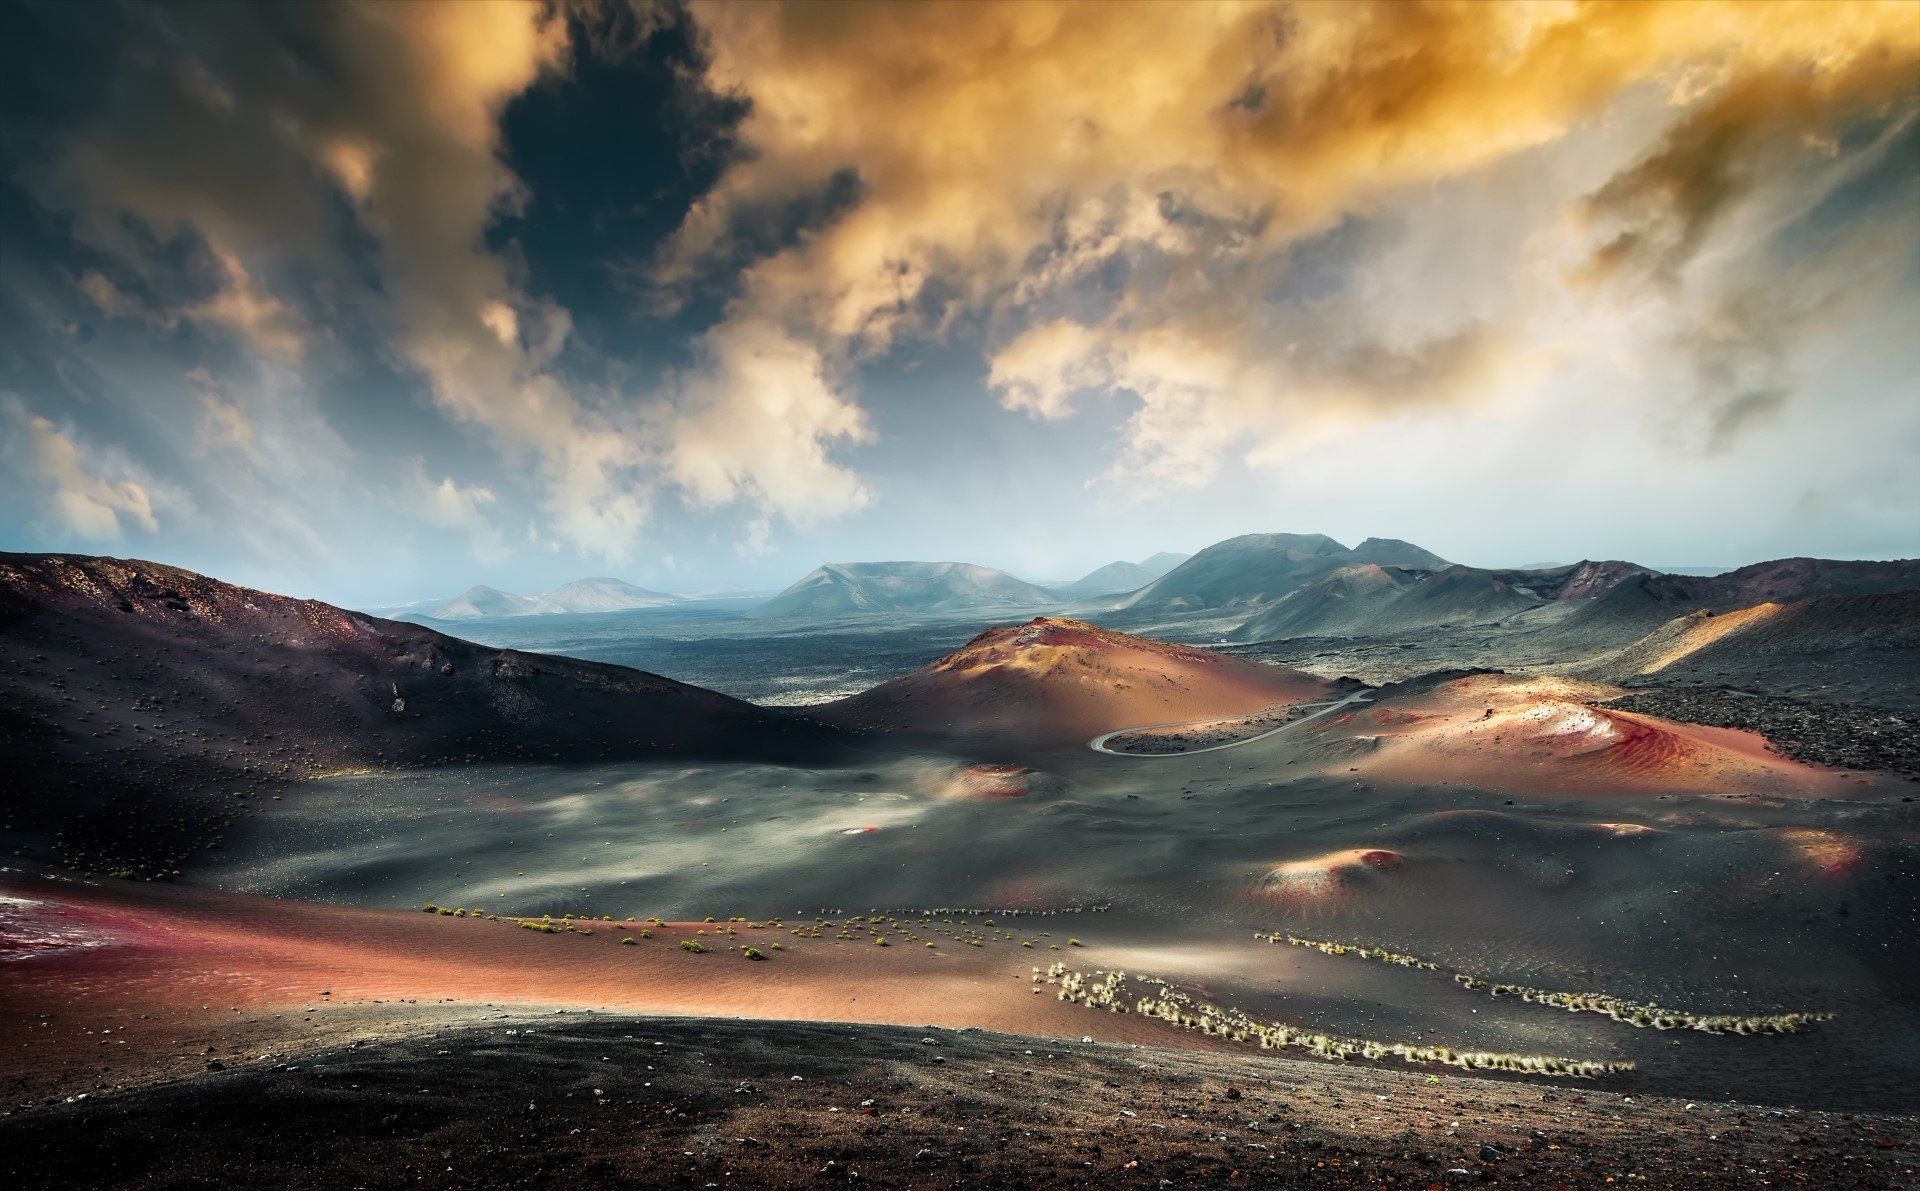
{"x":711,"y":1102}
{"x":1842,"y":735}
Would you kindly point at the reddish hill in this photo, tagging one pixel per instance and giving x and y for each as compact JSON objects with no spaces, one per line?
{"x":1556,"y":735}
{"x":1061,"y":682}
{"x":142,"y":705}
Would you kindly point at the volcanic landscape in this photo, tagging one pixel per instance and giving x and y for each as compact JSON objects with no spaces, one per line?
{"x":1294,"y":863}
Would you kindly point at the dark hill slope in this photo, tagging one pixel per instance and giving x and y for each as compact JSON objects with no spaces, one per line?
{"x":1568,"y":612}
{"x":1249,"y":570}
{"x":1396,"y":553}
{"x":1860,"y":648}
{"x":141,"y":705}
{"x":1375,"y":601}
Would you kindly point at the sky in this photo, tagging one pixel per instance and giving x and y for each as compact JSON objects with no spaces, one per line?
{"x":371,"y":302}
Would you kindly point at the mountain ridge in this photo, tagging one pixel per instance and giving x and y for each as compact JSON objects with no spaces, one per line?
{"x":869,"y":588}
{"x":598,"y":594}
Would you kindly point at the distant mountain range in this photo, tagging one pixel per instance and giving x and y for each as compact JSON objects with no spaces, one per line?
{"x":1276,"y":586}
{"x":1588,"y":605}
{"x":910,"y":588}
{"x":581,"y":595}
{"x":1117,"y":577}
{"x":919,"y":588}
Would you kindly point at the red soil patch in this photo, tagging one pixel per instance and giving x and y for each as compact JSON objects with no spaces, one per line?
{"x":1643,"y":746}
{"x":1556,"y":736}
{"x":179,"y":970}
{"x":1055,"y":682}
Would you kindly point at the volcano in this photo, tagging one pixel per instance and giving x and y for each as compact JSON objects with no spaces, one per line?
{"x":1554,"y":735}
{"x":1053,"y":681}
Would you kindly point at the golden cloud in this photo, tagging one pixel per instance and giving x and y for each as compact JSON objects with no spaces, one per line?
{"x":1011,"y":150}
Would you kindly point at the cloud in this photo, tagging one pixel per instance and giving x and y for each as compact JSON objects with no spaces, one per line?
{"x":755,"y":423}
{"x":1046,"y":365}
{"x":1665,"y":206}
{"x":1090,"y":177}
{"x":447,"y":504}
{"x":81,"y":496}
{"x":224,"y":141}
{"x":1244,"y":229}
{"x":241,"y":305}
{"x":228,"y":143}
{"x":235,"y":301}
{"x":1739,"y":338}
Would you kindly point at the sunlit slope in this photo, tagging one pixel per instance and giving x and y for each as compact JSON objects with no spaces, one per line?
{"x":1055,"y":681}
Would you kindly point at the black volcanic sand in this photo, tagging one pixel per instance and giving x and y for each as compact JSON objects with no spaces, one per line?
{"x":1728,"y":905}
{"x":705,"y":1102}
{"x":1842,"y":735}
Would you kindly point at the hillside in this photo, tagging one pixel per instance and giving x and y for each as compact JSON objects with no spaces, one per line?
{"x":1396,"y":553}
{"x":606,"y":595}
{"x":482,"y":602}
{"x":1345,"y":602}
{"x":1375,"y":601}
{"x":141,"y":705}
{"x":1060,"y":682}
{"x":1122,"y":576}
{"x":899,"y":588}
{"x":1546,"y":736}
{"x":1569,"y":612}
{"x":581,"y":595}
{"x":1112,"y":579}
{"x":1164,"y":561}
{"x":1864,"y":648}
{"x":1256,"y":569}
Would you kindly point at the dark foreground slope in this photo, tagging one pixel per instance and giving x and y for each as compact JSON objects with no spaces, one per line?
{"x":707,"y":1102}
{"x":142,"y":705}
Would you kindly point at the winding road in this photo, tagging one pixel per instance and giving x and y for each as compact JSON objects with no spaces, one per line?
{"x":1099,"y":743}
